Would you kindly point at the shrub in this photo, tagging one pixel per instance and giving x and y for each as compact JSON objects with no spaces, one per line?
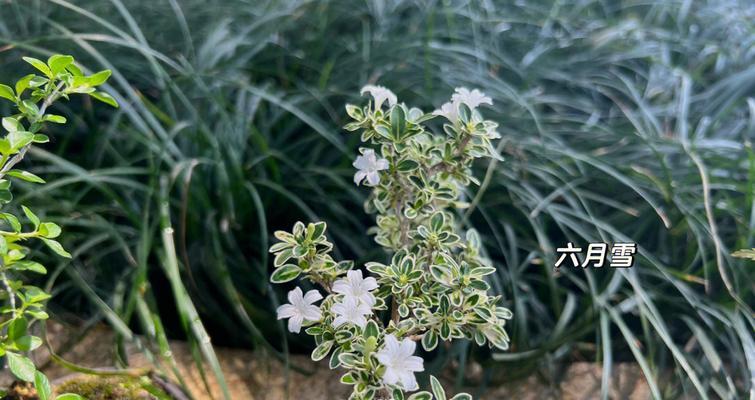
{"x":24,"y":303}
{"x":434,"y":286}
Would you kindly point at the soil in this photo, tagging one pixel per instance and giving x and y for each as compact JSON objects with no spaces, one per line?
{"x":254,"y":375}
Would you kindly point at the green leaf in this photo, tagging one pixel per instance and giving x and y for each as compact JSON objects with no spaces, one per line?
{"x":59,"y":62}
{"x":74,"y":70}
{"x":423,"y":395}
{"x":319,"y":229}
{"x":12,"y":221}
{"x":56,"y":247}
{"x":7,"y":93}
{"x":25,"y":175}
{"x":69,"y":396}
{"x":105,"y":98}
{"x":29,"y":107}
{"x":55,"y":119}
{"x":27,"y":343}
{"x":23,"y":84}
{"x":17,"y":328}
{"x":383,"y":131}
{"x":31,"y":216}
{"x":49,"y":230}
{"x":322,"y":350}
{"x":37,"y":314}
{"x":39,"y":138}
{"x":34,"y":294}
{"x":440,"y":273}
{"x":11,"y":124}
{"x":21,"y":366}
{"x":334,"y":362}
{"x":300,"y":251}
{"x":354,"y":112}
{"x":429,"y":340}
{"x":5,"y":196}
{"x":407,"y":166}
{"x":479,"y":285}
{"x":398,"y":122}
{"x":40,"y":65}
{"x":348,"y":379}
{"x":438,"y":391}
{"x":19,"y":139}
{"x":38,"y":81}
{"x":42,"y":384}
{"x":398,"y":394}
{"x":371,"y":330}
{"x":27,"y":265}
{"x":99,"y":78}
{"x":282,"y":257}
{"x":285,"y":273}
{"x":462,"y":396}
{"x":437,"y":221}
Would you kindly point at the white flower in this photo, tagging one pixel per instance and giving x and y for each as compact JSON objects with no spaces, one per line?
{"x":351,"y":310}
{"x":462,"y":95}
{"x":449,"y":111}
{"x":472,"y":99}
{"x":300,"y":309}
{"x":380,"y":94}
{"x":354,"y":285}
{"x":369,"y":165}
{"x":400,"y":362}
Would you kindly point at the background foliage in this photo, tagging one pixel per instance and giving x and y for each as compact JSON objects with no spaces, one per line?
{"x":621,"y":120}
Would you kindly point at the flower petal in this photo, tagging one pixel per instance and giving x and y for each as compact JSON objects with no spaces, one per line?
{"x":295,"y":296}
{"x":341,"y":286}
{"x":312,"y":296}
{"x":391,"y":344}
{"x":294,"y":324}
{"x":414,"y":363}
{"x":360,"y":322}
{"x":354,"y":275}
{"x":361,"y":163}
{"x":286,"y":311}
{"x":368,"y":299}
{"x":312,"y":313}
{"x":390,"y":377}
{"x":407,"y":347}
{"x":338,"y":321}
{"x":373,"y":178}
{"x":408,"y":381}
{"x":369,"y":284}
{"x":381,"y":164}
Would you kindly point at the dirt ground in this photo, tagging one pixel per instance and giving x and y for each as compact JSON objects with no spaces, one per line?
{"x":256,"y":376}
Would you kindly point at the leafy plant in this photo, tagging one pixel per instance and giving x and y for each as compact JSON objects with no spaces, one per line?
{"x":615,"y":113}
{"x":434,"y":287}
{"x":23,"y":303}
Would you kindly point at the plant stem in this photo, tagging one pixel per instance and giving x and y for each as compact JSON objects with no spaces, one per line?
{"x":11,"y":294}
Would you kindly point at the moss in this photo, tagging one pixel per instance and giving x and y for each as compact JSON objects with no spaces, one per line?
{"x":113,"y":388}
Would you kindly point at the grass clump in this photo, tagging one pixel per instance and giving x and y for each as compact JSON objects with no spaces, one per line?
{"x":620,"y":121}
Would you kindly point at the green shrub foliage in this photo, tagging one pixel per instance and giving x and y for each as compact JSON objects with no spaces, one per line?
{"x":22,"y":303}
{"x":433,"y":290}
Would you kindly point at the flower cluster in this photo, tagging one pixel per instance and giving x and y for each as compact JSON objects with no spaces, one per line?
{"x":433,"y":287}
{"x":32,"y":96}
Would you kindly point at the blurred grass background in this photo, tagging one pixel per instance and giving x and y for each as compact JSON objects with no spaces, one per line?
{"x":621,"y":121}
